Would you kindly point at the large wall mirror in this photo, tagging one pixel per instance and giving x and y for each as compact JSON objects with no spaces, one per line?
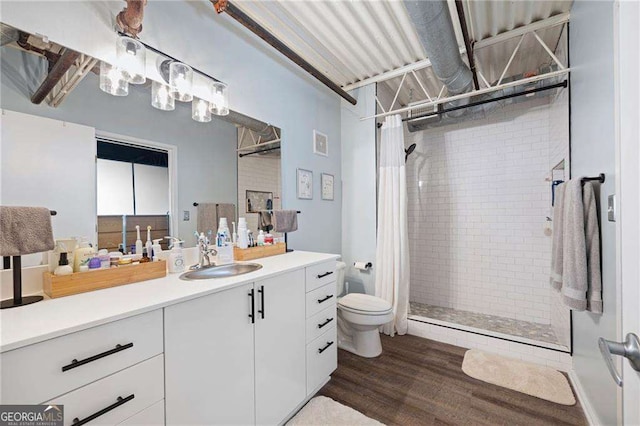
{"x":107,"y":163}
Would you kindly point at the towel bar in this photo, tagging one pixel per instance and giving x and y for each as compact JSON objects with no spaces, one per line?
{"x":599,"y":178}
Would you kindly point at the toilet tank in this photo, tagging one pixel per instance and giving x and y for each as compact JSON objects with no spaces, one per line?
{"x":340,"y":271}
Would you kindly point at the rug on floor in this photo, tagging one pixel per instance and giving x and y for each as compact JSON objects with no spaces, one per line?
{"x":541,"y":382}
{"x":325,"y":411}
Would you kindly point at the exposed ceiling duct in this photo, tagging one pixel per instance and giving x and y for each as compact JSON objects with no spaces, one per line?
{"x":433,"y":24}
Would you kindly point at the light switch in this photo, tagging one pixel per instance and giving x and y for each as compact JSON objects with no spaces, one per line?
{"x":611,"y":208}
{"x":185,"y":216}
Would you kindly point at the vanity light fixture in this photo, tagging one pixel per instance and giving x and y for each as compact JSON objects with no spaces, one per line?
{"x":220,"y":98}
{"x":180,"y":81}
{"x":161,"y":98}
{"x":200,"y":110}
{"x":112,"y":80}
{"x":131,"y":58}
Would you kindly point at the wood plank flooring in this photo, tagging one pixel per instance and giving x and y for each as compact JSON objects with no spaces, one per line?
{"x":420,"y":382}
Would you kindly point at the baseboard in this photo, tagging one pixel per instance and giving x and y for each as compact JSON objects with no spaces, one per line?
{"x":589,"y":412}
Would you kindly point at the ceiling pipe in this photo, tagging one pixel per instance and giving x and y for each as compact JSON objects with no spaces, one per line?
{"x":56,"y":72}
{"x":467,"y":42}
{"x":244,"y":19}
{"x":129,"y":19}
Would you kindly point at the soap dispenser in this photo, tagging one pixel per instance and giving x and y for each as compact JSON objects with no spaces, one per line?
{"x":63,"y":266}
{"x":176,"y":258}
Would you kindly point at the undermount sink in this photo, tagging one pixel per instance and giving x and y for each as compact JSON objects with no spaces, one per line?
{"x":222,"y":271}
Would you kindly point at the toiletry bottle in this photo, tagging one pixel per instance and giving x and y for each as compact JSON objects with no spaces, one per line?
{"x":148,"y":245}
{"x":156,"y":249}
{"x":138,"y":252}
{"x":234,"y":236}
{"x":94,"y":262}
{"x":105,"y":259}
{"x":176,"y":258}
{"x":268,"y":238}
{"x":82,"y":255}
{"x":145,"y":256}
{"x":261,"y":238}
{"x":63,"y":267}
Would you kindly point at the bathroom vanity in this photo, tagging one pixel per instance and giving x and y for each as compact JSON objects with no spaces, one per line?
{"x":249,"y":349}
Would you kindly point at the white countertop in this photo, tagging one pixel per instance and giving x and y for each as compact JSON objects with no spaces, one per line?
{"x":56,"y":317}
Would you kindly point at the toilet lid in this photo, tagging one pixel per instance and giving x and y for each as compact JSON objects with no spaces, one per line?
{"x":364,"y":303}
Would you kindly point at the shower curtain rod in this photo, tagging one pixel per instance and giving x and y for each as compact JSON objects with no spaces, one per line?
{"x":486,"y":101}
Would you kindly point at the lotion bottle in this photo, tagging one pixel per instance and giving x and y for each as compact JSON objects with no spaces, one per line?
{"x":82,"y":255}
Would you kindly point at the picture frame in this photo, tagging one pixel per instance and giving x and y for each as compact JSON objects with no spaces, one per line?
{"x":320,"y":143}
{"x":304,"y":184}
{"x":327,"y":186}
{"x":257,"y":201}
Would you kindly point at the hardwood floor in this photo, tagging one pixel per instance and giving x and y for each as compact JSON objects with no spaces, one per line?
{"x":420,"y":382}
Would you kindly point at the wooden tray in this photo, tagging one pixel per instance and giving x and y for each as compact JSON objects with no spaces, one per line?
{"x":81,"y":282}
{"x":258,"y":252}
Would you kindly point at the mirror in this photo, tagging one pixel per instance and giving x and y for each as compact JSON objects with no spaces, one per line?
{"x":51,"y":153}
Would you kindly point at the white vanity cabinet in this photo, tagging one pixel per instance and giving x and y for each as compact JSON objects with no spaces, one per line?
{"x":237,"y":356}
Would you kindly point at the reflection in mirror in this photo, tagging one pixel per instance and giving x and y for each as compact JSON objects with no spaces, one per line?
{"x":259,"y":174}
{"x":71,"y":174}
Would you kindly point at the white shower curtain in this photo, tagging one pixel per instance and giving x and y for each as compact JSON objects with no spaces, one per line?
{"x":392,"y":252}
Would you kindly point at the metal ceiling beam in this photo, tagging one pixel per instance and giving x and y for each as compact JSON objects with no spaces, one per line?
{"x":398,"y":72}
{"x":58,"y":70}
{"x":470,"y":94}
{"x":534,"y":26}
{"x":257,"y":29}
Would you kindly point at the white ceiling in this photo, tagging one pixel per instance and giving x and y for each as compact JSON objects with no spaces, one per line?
{"x":352,"y":40}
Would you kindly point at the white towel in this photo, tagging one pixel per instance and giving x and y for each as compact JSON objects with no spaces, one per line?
{"x":556,"y":245}
{"x":592,"y":240}
{"x":574,"y":250}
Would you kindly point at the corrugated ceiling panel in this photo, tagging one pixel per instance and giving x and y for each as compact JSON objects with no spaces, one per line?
{"x":352,"y":40}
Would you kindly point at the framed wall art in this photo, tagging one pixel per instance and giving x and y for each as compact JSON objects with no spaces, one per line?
{"x":305,"y":184}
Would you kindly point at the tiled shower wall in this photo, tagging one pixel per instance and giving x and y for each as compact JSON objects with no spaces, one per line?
{"x":559,"y":151}
{"x":478,"y":202}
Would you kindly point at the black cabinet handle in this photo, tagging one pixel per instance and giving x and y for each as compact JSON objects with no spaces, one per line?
{"x":325,"y":323}
{"x":325,"y":274}
{"x":325,"y":299}
{"x":75,"y":363}
{"x":261,"y":311}
{"x":119,"y":402}
{"x":325,"y":347}
{"x":253,"y":307}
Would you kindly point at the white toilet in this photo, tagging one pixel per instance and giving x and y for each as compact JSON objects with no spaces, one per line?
{"x":359,"y":318}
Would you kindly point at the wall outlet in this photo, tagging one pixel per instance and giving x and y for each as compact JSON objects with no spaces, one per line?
{"x":186,"y":215}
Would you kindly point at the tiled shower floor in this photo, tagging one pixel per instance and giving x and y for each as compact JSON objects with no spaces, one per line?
{"x":528,"y":330}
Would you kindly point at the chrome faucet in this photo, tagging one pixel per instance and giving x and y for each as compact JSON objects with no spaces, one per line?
{"x":205,"y":251}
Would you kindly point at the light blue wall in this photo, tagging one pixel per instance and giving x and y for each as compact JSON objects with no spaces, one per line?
{"x":207,"y":167}
{"x":263,"y":84}
{"x":359,"y":188}
{"x":592,"y":152}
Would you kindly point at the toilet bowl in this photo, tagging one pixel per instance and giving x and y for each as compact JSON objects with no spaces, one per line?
{"x":359,"y":319}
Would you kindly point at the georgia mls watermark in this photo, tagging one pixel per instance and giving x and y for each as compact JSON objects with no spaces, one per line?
{"x":31,"y":415}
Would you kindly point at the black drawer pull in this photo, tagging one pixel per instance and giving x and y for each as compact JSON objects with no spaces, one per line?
{"x":325,"y":323}
{"x":253,"y":307}
{"x":325,"y":299}
{"x":325,"y":347}
{"x":261,"y":310}
{"x":119,"y":402}
{"x":75,"y":363}
{"x":325,"y":274}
